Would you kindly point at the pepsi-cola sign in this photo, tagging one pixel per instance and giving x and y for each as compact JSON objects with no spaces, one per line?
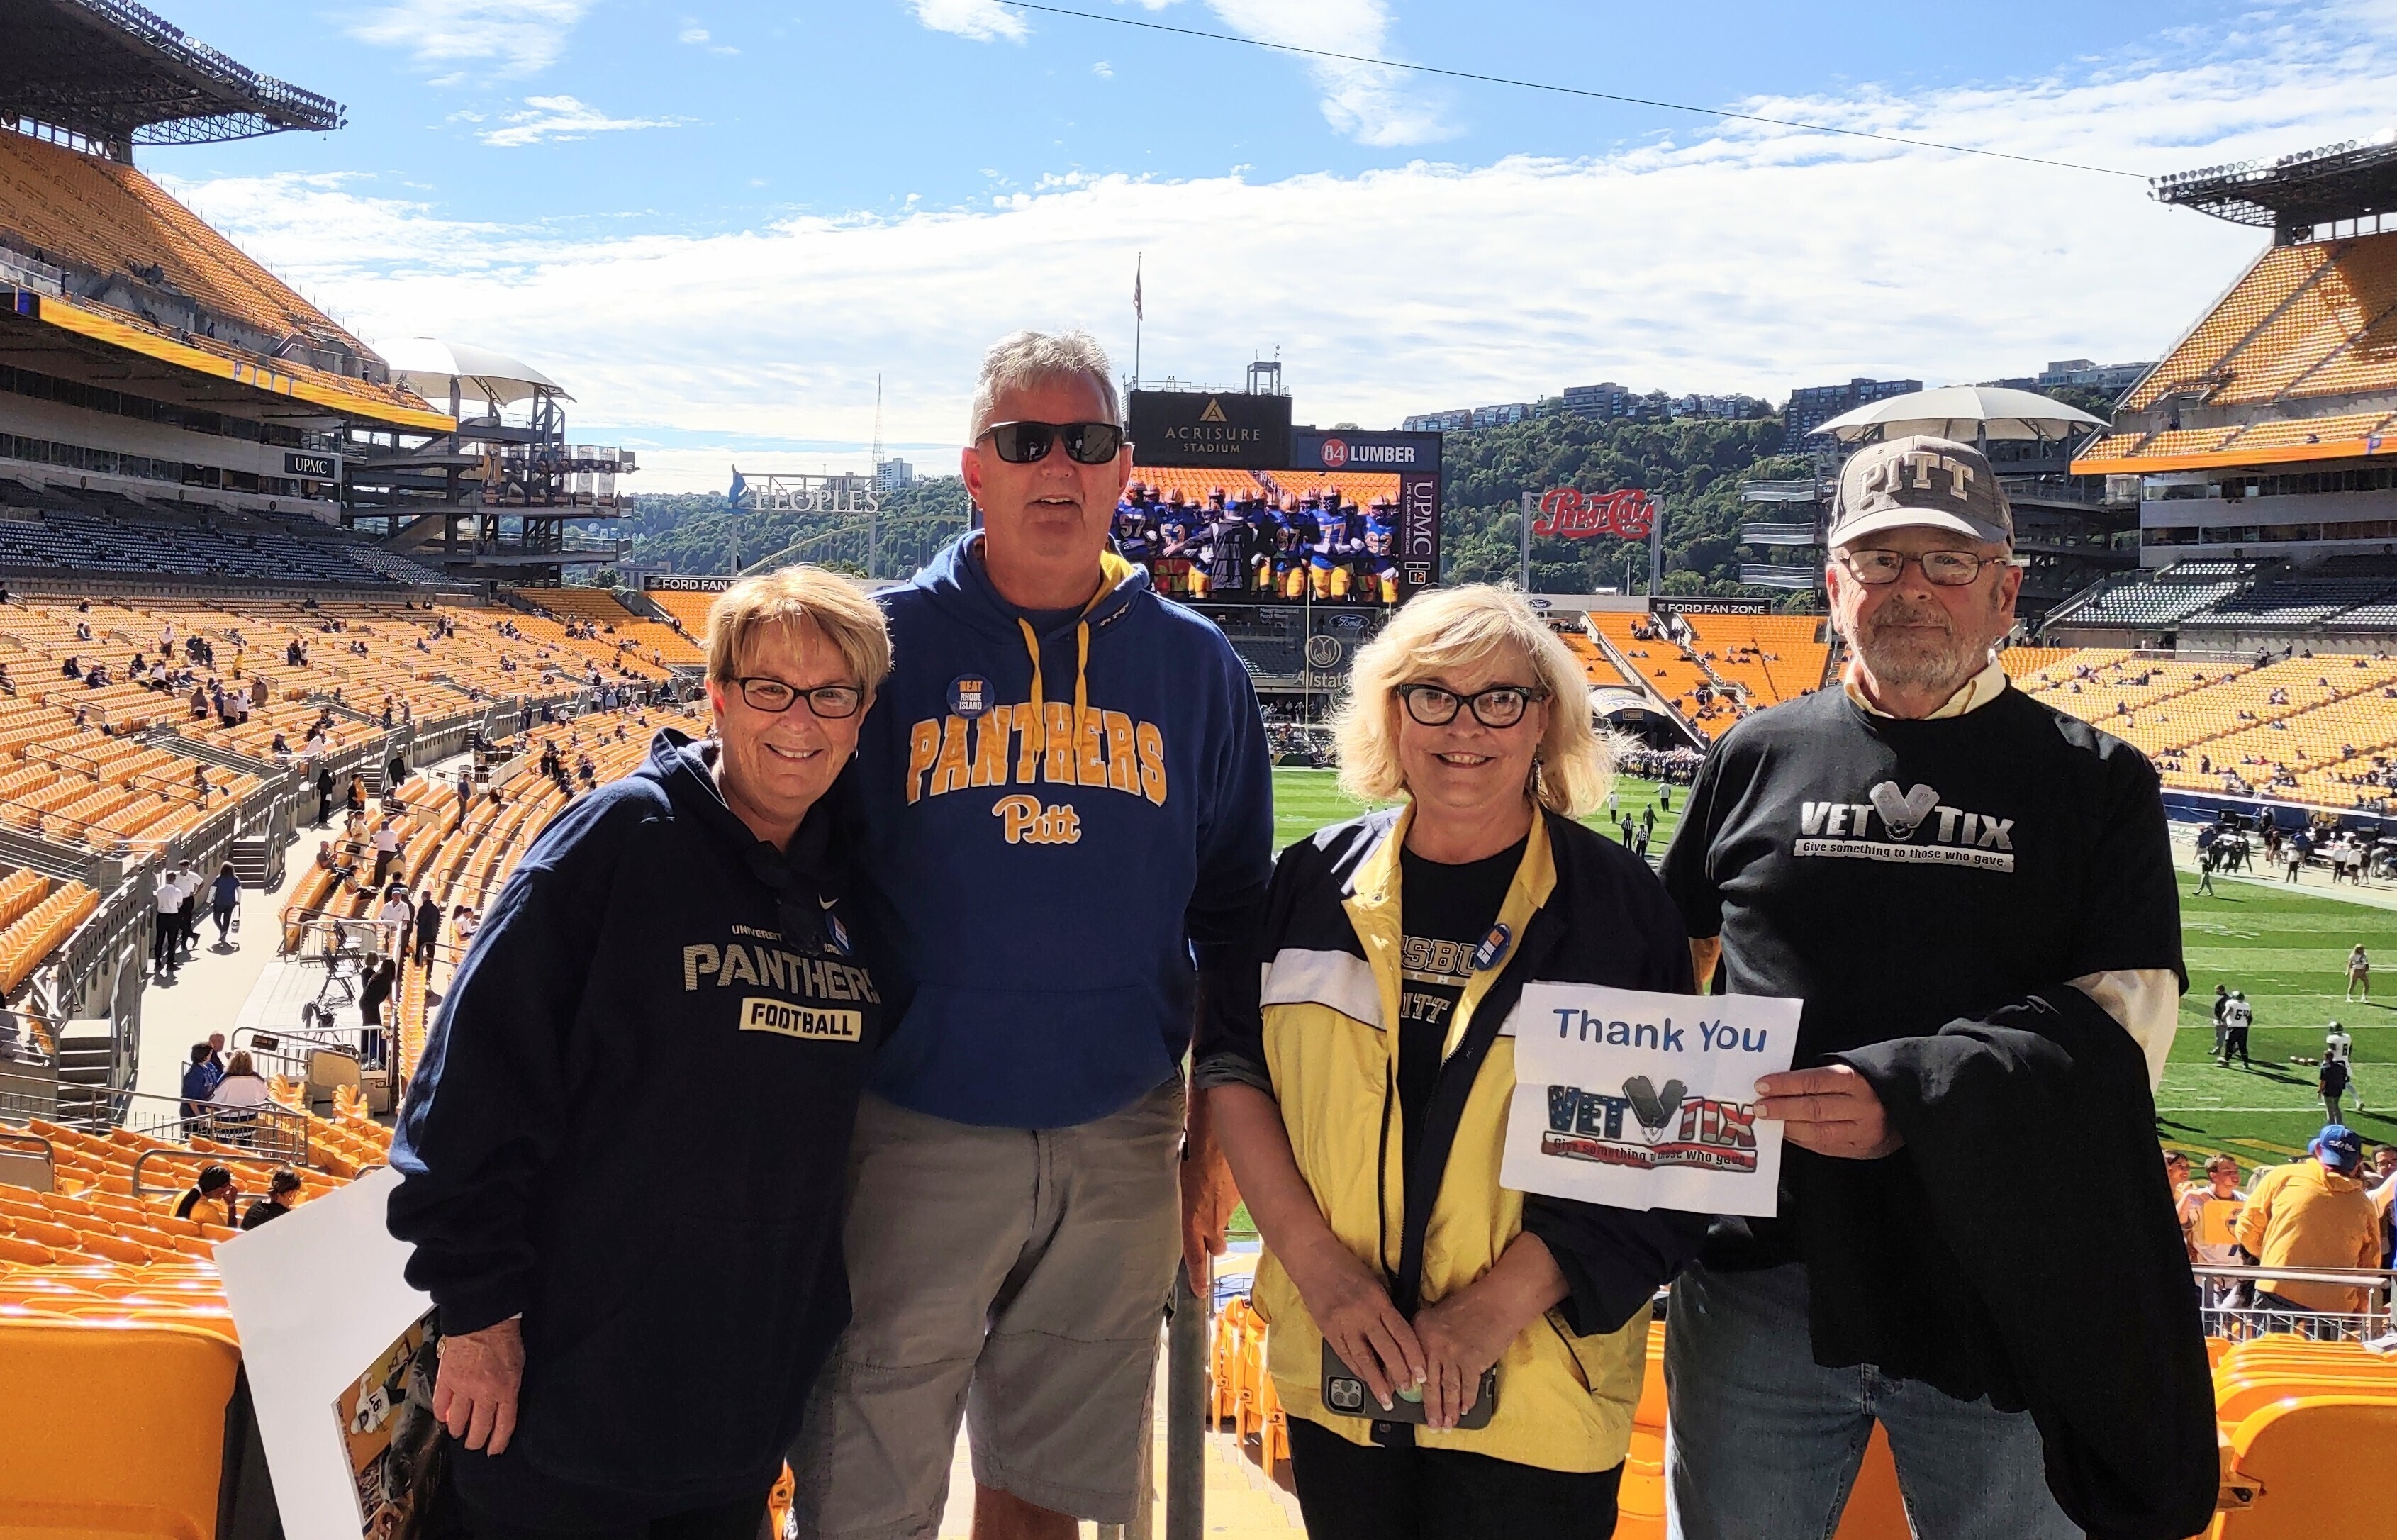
{"x":1572,"y":513}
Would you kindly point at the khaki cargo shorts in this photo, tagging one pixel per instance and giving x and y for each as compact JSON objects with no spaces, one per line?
{"x":1015,"y":1278}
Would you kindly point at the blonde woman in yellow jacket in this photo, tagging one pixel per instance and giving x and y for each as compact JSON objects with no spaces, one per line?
{"x":1361,"y":1098}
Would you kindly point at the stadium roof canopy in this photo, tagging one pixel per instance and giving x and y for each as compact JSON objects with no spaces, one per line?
{"x":2293,"y":194}
{"x":119,"y":75}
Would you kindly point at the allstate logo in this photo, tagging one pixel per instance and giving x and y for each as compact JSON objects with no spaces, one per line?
{"x":1323,"y":651}
{"x":1335,"y":453}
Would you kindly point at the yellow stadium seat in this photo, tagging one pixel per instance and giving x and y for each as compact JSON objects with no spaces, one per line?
{"x":129,"y":1440}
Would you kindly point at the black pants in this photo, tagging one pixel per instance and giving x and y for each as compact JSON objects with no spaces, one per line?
{"x":1370,"y":1493}
{"x":743,"y":1520}
{"x":2236,"y":1043}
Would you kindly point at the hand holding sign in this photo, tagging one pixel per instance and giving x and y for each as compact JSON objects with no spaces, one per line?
{"x":1832,"y":1111}
{"x":1645,"y":1101}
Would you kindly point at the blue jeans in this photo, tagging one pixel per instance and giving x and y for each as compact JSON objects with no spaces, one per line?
{"x":1763,"y":1443}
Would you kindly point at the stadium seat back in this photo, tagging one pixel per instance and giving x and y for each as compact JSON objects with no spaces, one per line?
{"x":129,"y":1436}
{"x":2317,"y":1462}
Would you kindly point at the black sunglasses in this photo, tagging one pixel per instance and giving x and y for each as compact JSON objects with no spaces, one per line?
{"x":1027,"y":443}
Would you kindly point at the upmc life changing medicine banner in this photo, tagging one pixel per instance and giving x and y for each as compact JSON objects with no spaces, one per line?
{"x":1646,"y":1101}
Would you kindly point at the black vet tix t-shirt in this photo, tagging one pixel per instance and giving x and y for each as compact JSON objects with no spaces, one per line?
{"x":1896,"y":876}
{"x":1447,"y":913}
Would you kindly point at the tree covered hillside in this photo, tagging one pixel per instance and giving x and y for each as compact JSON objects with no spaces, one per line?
{"x":695,"y":533}
{"x":1694,"y":466}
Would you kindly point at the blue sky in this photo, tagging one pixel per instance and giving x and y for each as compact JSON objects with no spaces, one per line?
{"x":716,"y":223}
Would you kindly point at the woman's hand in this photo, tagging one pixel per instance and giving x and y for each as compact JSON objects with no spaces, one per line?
{"x":474,"y":1389}
{"x":1467,"y":1332}
{"x":1352,"y":1311}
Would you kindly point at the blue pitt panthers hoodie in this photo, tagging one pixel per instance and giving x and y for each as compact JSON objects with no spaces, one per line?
{"x":1059,"y":815}
{"x":630,"y":1126}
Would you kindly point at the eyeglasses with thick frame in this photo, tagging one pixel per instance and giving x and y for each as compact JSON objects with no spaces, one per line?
{"x":832,"y":702}
{"x":1942,"y":569}
{"x":1498,"y":707}
{"x":1028,"y":443}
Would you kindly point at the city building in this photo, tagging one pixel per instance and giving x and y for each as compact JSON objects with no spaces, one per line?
{"x":1603,"y":401}
{"x":891,"y":475}
{"x":1812,"y":406}
{"x":2079,"y":373}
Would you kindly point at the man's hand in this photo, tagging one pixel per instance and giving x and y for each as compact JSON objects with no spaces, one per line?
{"x":474,"y":1390}
{"x":1209,"y":1195}
{"x":1832,"y":1111}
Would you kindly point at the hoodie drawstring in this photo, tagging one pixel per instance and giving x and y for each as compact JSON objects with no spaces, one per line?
{"x":1039,"y":733}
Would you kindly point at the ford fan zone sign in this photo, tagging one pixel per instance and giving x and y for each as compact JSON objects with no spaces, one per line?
{"x":1575,"y":514}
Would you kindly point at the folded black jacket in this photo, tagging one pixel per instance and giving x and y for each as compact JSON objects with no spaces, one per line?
{"x":2072,"y":1298}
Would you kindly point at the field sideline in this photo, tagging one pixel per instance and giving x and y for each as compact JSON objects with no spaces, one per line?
{"x":2286,"y":949}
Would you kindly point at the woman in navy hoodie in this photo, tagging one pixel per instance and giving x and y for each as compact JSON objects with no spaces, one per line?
{"x":638,"y":1274}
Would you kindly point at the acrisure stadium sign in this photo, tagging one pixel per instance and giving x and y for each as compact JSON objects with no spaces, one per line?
{"x":1229,"y":429}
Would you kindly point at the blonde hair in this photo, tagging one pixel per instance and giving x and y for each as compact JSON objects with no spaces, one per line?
{"x":793,"y":597}
{"x":1454,"y":629}
{"x":1024,"y":358}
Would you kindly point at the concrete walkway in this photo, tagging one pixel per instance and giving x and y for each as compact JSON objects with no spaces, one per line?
{"x":224,"y":988}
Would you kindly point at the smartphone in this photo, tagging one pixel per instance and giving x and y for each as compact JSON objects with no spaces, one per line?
{"x":1346,"y":1394}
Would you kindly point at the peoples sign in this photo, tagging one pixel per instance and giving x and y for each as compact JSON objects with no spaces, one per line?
{"x":1577,"y":515}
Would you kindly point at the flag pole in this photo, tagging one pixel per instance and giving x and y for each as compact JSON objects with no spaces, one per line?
{"x":1136,"y":319}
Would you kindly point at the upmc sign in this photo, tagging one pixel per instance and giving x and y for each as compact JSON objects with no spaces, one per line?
{"x":1209,"y":429}
{"x":1577,"y":515}
{"x":1414,"y":457}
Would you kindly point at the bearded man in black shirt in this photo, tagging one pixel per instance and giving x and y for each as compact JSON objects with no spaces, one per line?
{"x":1974,"y":896}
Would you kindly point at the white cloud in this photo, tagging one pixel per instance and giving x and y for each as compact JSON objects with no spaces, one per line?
{"x":984,"y":21}
{"x":698,"y":37}
{"x":561,"y":119}
{"x":514,"y":37}
{"x":1370,"y":103}
{"x":1103,"y":70}
{"x":1737,"y":258}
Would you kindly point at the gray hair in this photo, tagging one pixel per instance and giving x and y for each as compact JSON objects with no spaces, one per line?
{"x":1025,"y":359}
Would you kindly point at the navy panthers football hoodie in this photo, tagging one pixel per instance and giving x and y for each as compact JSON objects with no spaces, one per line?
{"x":631,"y":1127}
{"x":1060,"y":810}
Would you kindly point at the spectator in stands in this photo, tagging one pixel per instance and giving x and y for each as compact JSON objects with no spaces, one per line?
{"x":2312,"y":1214}
{"x":1467,"y":710}
{"x":323,"y":786}
{"x":355,"y":797}
{"x":213,"y":1200}
{"x":2209,"y":1219}
{"x":465,"y":795}
{"x":2001,"y":992}
{"x":200,"y":1078}
{"x":225,"y":902}
{"x":386,"y":847}
{"x":233,"y":1104}
{"x":166,"y":925}
{"x":428,"y":927}
{"x":282,"y":1196}
{"x":187,"y":913}
{"x":706,"y":889}
{"x":325,"y":855}
{"x":374,"y":990}
{"x":394,"y":921}
{"x":1016,"y":1074}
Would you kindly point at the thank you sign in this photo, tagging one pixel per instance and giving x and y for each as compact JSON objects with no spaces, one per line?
{"x":1646,"y":1101}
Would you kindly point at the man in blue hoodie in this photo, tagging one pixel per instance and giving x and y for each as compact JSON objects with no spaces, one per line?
{"x":1067,"y":804}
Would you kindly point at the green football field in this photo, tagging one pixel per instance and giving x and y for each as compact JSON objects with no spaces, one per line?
{"x":2286,"y":949}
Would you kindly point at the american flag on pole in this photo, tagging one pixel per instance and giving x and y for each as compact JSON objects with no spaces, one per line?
{"x":1135,"y":291}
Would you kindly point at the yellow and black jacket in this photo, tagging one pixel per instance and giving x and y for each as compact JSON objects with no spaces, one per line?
{"x":1321,"y":1038}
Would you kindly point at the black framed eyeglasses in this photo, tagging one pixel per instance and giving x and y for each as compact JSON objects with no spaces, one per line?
{"x":1943,"y":568}
{"x":1027,"y":443}
{"x":1499,"y":707}
{"x":829,"y":702}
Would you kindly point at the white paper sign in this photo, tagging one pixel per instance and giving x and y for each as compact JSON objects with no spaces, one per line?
{"x":1646,"y":1101}
{"x":319,"y":1300}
